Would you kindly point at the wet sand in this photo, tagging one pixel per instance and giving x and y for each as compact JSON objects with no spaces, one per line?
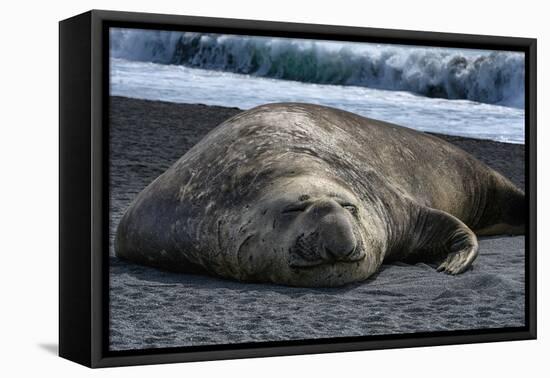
{"x":150,"y":308}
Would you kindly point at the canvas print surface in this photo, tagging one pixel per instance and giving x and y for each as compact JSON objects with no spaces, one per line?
{"x":275,"y":189}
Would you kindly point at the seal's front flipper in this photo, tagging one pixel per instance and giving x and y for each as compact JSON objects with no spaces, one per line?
{"x":443,"y":238}
{"x":459,"y":261}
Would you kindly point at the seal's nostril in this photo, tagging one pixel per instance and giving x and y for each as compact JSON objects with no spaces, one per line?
{"x":339,"y":255}
{"x":350,"y":252}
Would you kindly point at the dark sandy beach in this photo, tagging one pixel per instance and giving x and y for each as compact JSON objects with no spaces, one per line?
{"x":154,"y":309}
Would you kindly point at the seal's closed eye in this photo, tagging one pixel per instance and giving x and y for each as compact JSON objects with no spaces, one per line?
{"x":349,"y":207}
{"x":295,"y":208}
{"x":298,"y":207}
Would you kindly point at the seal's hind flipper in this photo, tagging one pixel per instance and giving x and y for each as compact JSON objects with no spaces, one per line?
{"x":506,"y":210}
{"x":445,"y":239}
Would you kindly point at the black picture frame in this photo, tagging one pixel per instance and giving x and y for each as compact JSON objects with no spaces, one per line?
{"x":84,"y":192}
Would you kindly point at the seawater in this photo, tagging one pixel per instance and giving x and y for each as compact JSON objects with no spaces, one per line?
{"x":184,"y":84}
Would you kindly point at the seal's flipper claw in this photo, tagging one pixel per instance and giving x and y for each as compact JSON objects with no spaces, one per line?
{"x":462,"y":251}
{"x":445,"y":238}
{"x":458,"y":262}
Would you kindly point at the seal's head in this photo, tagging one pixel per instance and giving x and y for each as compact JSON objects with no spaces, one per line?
{"x":309,"y":231}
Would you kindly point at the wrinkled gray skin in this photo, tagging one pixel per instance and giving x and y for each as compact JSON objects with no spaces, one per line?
{"x":305,"y":195}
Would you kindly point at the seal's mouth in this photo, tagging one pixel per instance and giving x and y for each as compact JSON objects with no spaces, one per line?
{"x":307,"y":264}
{"x":307,"y":253}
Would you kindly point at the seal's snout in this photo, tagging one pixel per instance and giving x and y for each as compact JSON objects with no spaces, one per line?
{"x":336,"y":235}
{"x":333,"y":239}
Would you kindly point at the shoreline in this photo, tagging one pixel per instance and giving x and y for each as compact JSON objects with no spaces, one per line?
{"x":199,"y":104}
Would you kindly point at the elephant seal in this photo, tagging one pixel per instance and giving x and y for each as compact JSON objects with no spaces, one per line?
{"x":307,"y":195}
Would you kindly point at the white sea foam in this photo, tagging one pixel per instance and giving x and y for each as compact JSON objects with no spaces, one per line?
{"x":482,"y":76}
{"x":181,"y":84}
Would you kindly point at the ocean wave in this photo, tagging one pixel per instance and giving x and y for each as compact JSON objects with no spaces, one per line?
{"x":493,"y":77}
